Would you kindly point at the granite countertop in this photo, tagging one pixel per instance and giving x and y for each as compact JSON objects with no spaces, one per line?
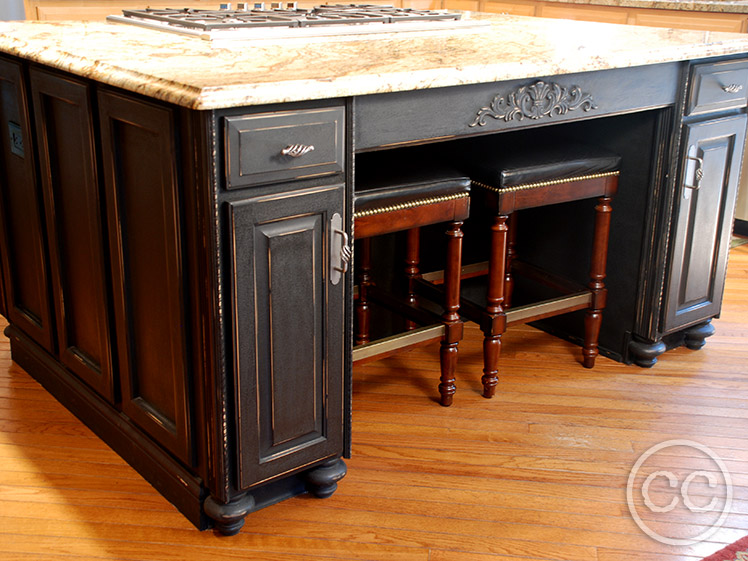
{"x":716,"y":6}
{"x":199,"y":74}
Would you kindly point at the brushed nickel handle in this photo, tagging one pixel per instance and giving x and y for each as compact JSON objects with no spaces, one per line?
{"x":732,"y":88}
{"x":297,"y":150}
{"x":345,"y":252}
{"x":340,"y":249}
{"x":698,"y":174}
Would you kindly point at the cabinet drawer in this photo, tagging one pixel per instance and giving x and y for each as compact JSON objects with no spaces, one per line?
{"x":716,"y":87}
{"x":272,"y":147}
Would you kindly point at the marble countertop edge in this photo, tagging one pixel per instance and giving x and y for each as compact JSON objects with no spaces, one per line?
{"x":132,"y":80}
{"x":230,"y":76}
{"x":291,"y":91}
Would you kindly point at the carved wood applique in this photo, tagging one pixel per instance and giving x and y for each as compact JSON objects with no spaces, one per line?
{"x":541,"y":99}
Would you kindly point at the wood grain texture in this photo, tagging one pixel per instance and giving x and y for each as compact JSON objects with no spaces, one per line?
{"x":537,"y":473}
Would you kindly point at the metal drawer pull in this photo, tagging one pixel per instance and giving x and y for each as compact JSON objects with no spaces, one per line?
{"x":698,"y":174}
{"x":732,"y":88}
{"x":340,"y":250}
{"x":345,"y":253}
{"x":297,"y":150}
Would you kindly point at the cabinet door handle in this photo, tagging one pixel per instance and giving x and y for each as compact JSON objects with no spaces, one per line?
{"x":732,"y":88}
{"x":345,"y":252}
{"x":698,"y":174}
{"x":340,"y":250}
{"x":297,"y":150}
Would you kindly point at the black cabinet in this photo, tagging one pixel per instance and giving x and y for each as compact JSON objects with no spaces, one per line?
{"x":703,"y":221}
{"x":691,"y":236}
{"x":75,"y":233}
{"x":287,"y":331}
{"x":121,"y":226}
{"x":25,"y":269}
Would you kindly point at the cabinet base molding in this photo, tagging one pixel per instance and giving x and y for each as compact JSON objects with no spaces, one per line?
{"x":179,"y":486}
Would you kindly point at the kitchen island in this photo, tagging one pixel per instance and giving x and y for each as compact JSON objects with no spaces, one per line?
{"x":172,"y":273}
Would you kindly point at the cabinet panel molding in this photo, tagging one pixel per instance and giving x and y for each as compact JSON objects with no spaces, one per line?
{"x":21,"y":214}
{"x":288,"y":338}
{"x":65,"y":137}
{"x":703,"y":220}
{"x":145,"y":238}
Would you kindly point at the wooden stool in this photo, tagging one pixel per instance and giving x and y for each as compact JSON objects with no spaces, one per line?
{"x":506,"y":182}
{"x":407,"y":198}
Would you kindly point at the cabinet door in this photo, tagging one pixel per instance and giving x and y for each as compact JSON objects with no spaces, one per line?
{"x":21,"y":214}
{"x":65,"y":139}
{"x":288,"y":332}
{"x":703,"y":221}
{"x":148,"y":275}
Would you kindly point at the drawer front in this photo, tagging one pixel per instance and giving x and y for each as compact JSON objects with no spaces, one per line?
{"x":282,"y":146}
{"x":718,"y":86}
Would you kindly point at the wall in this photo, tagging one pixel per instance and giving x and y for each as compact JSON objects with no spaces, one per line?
{"x":11,"y":9}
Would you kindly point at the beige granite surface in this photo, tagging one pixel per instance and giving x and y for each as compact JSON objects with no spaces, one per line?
{"x":716,"y":6}
{"x":207,"y":75}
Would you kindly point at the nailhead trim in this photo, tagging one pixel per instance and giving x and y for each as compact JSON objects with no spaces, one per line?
{"x":544,"y":183}
{"x":409,"y":204}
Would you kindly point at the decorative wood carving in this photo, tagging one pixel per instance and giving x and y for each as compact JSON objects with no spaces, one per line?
{"x":541,"y":99}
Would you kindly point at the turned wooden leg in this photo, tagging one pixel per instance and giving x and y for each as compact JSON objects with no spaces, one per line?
{"x":511,"y":255}
{"x":594,"y":314}
{"x":363,"y":272}
{"x":694,"y":337}
{"x":412,"y":271}
{"x":645,"y":354}
{"x":322,"y":481}
{"x":229,"y":517}
{"x":451,"y":319}
{"x":494,"y":320}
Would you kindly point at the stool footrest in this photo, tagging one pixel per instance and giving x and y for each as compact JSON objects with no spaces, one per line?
{"x":394,"y":343}
{"x":549,"y":308}
{"x":400,"y":307}
{"x":543,"y":276}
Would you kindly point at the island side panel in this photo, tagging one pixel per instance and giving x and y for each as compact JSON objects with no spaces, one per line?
{"x":76,"y":240}
{"x":21,"y":214}
{"x":145,"y":215}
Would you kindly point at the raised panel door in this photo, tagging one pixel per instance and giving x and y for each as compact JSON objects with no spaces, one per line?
{"x":582,"y":13}
{"x":703,"y":221}
{"x":684,"y":20}
{"x":144,"y":214}
{"x":74,"y":209}
{"x":21,"y":214}
{"x":288,"y":332}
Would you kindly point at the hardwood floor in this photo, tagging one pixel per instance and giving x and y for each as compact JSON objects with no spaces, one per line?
{"x":539,"y":472}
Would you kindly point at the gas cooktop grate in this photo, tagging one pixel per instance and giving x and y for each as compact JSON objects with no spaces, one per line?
{"x":338,"y":14}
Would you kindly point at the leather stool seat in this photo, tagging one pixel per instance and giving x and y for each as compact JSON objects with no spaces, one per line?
{"x":517,"y":167}
{"x":508,"y":179}
{"x":406,"y":196}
